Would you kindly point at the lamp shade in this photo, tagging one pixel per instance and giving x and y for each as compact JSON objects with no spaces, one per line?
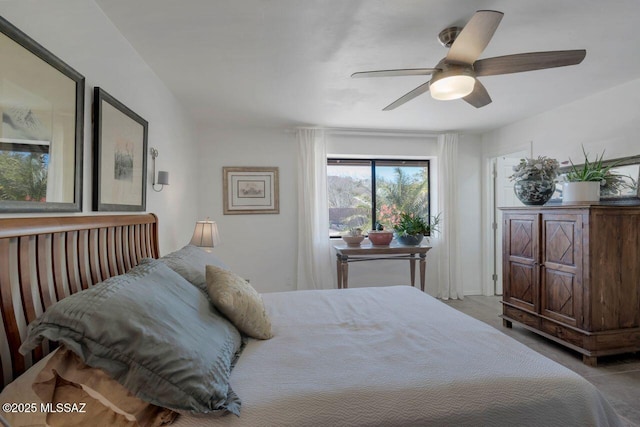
{"x":206,"y":234}
{"x":163,"y":178}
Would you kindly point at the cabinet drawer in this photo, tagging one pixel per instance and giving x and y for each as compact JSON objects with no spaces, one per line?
{"x":521,"y":316}
{"x":564,"y":333}
{"x":621,"y":338}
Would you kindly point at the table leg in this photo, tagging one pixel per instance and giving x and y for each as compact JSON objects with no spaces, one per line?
{"x":412,"y":268}
{"x":339,"y":271}
{"x":344,"y":261}
{"x":423,"y":268}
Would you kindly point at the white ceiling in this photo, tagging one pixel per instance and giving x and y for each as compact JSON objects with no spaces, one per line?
{"x":285,"y":63}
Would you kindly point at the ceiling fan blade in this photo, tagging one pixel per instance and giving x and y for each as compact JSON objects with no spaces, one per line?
{"x":474,"y":37}
{"x":408,"y":97}
{"x":479,"y":97}
{"x":528,"y":62}
{"x":399,"y":72}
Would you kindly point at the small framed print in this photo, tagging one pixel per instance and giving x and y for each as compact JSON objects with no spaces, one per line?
{"x":250,"y":190}
{"x":119,"y":157}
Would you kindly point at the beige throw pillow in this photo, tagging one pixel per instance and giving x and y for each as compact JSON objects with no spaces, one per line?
{"x":239,"y":302}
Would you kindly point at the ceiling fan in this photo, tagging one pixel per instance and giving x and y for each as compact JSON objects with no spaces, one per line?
{"x":455,"y":76}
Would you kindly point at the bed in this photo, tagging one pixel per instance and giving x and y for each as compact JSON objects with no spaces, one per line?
{"x":354,"y":357}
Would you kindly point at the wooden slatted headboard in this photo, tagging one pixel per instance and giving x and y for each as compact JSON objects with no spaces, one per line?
{"x":43,"y":260}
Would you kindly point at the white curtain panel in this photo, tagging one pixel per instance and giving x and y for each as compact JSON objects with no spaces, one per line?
{"x":314,"y":251}
{"x":57,"y":191}
{"x":447,"y":243}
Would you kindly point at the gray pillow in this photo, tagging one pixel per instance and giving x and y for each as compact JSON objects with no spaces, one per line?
{"x":190,"y":262}
{"x":154,"y":333}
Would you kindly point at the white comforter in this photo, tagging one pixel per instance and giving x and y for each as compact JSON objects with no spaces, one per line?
{"x":396,"y":357}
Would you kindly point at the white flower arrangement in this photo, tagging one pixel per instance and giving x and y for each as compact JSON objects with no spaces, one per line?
{"x":542,"y":168}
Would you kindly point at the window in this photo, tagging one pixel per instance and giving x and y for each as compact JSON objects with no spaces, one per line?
{"x":362,"y":193}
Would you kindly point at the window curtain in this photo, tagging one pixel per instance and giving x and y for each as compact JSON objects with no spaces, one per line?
{"x":447,"y":243}
{"x":57,"y":191}
{"x":314,"y":251}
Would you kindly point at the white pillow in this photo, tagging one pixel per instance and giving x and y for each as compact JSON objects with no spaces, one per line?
{"x":239,"y":302}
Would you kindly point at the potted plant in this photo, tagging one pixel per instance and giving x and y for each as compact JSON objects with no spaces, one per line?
{"x":411,"y":228}
{"x":582,"y":183}
{"x":379,"y":236}
{"x":353,"y":237}
{"x":535,"y":179}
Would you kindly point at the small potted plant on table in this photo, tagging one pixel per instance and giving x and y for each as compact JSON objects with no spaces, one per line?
{"x":411,"y":228}
{"x":379,"y":236}
{"x":353,"y":237}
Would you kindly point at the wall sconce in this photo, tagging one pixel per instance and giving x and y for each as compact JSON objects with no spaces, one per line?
{"x":163,"y":176}
{"x":206,"y":235}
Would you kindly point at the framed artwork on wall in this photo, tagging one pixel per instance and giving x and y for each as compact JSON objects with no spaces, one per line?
{"x":250,"y":190}
{"x":119,"y":156}
{"x":41,"y":132}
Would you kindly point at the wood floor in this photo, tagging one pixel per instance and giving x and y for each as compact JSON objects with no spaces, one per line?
{"x":617,"y":377}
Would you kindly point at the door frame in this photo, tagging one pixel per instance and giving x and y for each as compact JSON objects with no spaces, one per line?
{"x":492,"y":260}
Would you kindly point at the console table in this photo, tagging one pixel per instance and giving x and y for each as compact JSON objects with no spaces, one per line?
{"x":346,"y":254}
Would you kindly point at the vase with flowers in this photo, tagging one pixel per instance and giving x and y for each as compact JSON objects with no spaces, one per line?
{"x":535,"y":179}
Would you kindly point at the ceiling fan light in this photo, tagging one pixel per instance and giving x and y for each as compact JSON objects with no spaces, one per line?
{"x":452,"y":87}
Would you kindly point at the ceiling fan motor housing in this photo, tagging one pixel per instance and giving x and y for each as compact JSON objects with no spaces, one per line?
{"x":448,"y":36}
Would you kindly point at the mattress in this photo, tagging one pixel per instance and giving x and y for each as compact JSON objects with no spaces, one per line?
{"x":394,"y":356}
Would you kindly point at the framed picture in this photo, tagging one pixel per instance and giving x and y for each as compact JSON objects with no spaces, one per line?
{"x":41,"y":132}
{"x":250,"y":190}
{"x":119,"y":156}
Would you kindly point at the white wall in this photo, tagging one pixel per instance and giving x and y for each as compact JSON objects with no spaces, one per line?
{"x":471,"y":219}
{"x":78,"y":32}
{"x":262,"y":248}
{"x":608,"y":120}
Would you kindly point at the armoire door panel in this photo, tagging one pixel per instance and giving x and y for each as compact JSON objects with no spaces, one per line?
{"x":561,"y":297}
{"x":522,"y":237}
{"x":559,"y":243}
{"x":522,"y":285}
{"x":561,"y":281}
{"x":521,"y":261}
